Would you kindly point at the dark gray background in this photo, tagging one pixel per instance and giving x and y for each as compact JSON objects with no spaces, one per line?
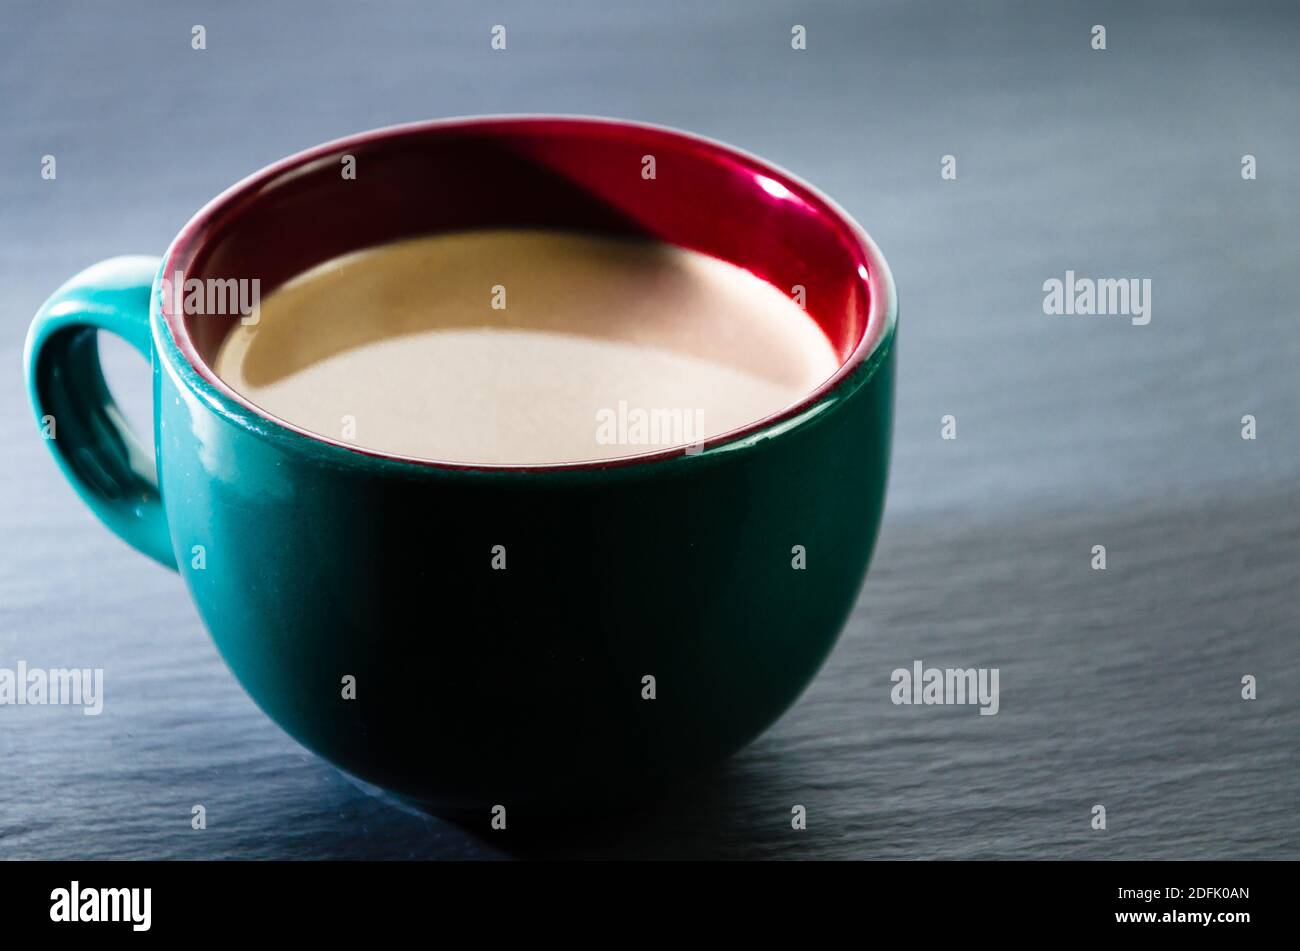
{"x":1118,"y":687}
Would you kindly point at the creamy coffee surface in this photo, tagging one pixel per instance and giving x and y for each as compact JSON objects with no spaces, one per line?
{"x":525,"y":347}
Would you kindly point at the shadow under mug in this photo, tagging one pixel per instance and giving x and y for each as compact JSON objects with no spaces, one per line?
{"x":466,"y":635}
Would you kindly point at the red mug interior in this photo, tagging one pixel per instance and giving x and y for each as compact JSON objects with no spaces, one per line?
{"x":579,"y":174}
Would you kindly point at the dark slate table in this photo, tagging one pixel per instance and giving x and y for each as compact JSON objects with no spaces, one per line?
{"x":1119,"y":687}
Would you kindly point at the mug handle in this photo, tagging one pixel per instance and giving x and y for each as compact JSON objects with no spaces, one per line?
{"x":104,"y":460}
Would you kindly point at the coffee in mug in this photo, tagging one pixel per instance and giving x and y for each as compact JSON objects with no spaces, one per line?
{"x":532,"y":347}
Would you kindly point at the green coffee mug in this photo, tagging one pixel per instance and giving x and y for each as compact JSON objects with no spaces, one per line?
{"x":465,"y":635}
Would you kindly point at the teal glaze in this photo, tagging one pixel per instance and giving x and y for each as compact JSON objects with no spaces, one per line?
{"x":310,"y":562}
{"x":105,"y":462}
{"x":478,"y":686}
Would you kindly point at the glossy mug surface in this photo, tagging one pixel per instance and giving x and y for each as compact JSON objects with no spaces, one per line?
{"x":467,"y":635}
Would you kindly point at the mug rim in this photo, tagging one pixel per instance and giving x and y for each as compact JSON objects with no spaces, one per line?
{"x":874,"y":342}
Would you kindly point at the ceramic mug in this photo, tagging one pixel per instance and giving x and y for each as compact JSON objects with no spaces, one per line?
{"x":469,"y":635}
